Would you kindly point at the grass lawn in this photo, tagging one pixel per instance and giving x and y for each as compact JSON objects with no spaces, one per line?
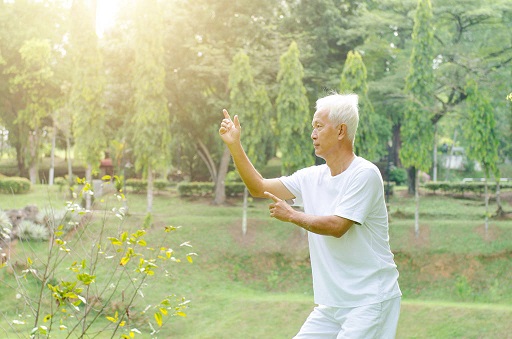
{"x":455,"y":276}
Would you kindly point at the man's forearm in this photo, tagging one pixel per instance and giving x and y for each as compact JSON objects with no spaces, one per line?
{"x":250,"y":176}
{"x":324,"y":225}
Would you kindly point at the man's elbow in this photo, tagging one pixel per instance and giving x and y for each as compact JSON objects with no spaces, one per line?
{"x":256,"y":193}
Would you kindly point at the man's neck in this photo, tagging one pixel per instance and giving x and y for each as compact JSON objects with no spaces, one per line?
{"x":340,"y":163}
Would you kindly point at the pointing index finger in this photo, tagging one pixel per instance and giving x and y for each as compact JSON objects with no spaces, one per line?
{"x":226,"y":114}
{"x":271,"y":196}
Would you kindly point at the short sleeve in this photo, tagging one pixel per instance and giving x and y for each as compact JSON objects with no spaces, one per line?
{"x":360,"y":197}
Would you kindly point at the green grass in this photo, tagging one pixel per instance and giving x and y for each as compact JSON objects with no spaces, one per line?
{"x":455,"y":278}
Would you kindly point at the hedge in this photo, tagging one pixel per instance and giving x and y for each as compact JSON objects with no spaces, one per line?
{"x":14,"y":185}
{"x":140,"y":185}
{"x":461,"y":187}
{"x":206,"y":189}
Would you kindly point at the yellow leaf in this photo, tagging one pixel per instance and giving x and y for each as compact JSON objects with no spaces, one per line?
{"x":122,"y":323}
{"x":181,"y":314}
{"x":29,"y":261}
{"x":47,"y":317}
{"x":124,"y":261}
{"x":163,"y":310}
{"x":189,"y":258}
{"x":158,"y":318}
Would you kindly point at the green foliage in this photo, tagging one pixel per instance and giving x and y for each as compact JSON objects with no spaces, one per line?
{"x":140,"y":185}
{"x":293,"y":117}
{"x":253,"y":106}
{"x":88,"y":86}
{"x":461,"y":187}
{"x":205,"y":189}
{"x":14,"y":185}
{"x":398,"y":175}
{"x":353,"y":80}
{"x":151,"y":120}
{"x":480,"y":130}
{"x":417,"y":130}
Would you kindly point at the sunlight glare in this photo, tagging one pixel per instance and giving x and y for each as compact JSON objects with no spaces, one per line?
{"x":106,"y":15}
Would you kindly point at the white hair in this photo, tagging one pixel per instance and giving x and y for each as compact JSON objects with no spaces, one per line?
{"x":343,"y":109}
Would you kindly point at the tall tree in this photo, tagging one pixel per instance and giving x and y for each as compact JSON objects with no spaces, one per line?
{"x":353,"y":79}
{"x":293,"y":116}
{"x":480,"y":131}
{"x":416,"y":130}
{"x":21,"y":21}
{"x":87,"y":89}
{"x":32,"y":81}
{"x":151,"y":119}
{"x":253,"y":106}
{"x":208,"y":33}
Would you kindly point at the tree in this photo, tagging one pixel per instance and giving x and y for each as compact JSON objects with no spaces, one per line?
{"x":293,"y":117}
{"x":253,"y":105}
{"x":87,"y":89}
{"x":353,"y":79}
{"x":416,"y":130}
{"x":480,"y":131}
{"x":32,"y":81}
{"x":21,"y":21}
{"x":151,"y":119}
{"x":208,"y":33}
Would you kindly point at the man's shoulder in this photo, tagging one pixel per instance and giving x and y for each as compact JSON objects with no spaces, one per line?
{"x":362,"y":165}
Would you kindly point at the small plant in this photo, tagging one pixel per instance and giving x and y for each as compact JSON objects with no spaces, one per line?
{"x":95,"y":280}
{"x":5,"y":226}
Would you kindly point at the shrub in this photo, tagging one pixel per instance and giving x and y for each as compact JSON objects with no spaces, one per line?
{"x":235,"y":188}
{"x":195,"y":189}
{"x":29,"y":230}
{"x":398,"y":175}
{"x":137,"y":185}
{"x":14,"y":185}
{"x":141,"y":185}
{"x":161,"y":184}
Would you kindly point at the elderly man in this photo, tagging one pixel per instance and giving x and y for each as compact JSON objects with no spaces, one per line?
{"x":355,"y":279}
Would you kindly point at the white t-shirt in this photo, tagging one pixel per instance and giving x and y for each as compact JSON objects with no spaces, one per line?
{"x":358,"y":268}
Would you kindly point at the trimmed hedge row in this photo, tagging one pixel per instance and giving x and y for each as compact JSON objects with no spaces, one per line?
{"x":461,"y":187}
{"x":206,"y":189}
{"x":14,"y":185}
{"x":140,"y":185}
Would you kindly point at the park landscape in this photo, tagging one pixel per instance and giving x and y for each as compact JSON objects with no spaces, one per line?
{"x":454,"y":277}
{"x":122,"y":215}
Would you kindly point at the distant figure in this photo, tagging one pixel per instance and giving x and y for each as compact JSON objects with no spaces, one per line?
{"x":355,"y":279}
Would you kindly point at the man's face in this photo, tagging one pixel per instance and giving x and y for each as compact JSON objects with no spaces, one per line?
{"x":324,"y":135}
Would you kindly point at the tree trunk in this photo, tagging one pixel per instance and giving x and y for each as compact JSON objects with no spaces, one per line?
{"x":220,"y":188}
{"x":486,"y":207}
{"x":499,"y":212}
{"x":88,"y":178}
{"x":413,"y":175}
{"x":68,"y":156}
{"x":244,"y":213}
{"x":417,"y":209}
{"x":32,"y":172}
{"x":51,"y":174}
{"x":150,"y":190}
{"x":434,"y":171}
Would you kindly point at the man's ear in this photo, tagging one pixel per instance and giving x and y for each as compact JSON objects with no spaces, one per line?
{"x":342,"y":131}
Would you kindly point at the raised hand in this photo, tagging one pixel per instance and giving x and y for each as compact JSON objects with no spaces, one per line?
{"x":230,"y":130}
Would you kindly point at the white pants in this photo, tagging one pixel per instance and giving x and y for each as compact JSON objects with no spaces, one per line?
{"x":377,"y":321}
